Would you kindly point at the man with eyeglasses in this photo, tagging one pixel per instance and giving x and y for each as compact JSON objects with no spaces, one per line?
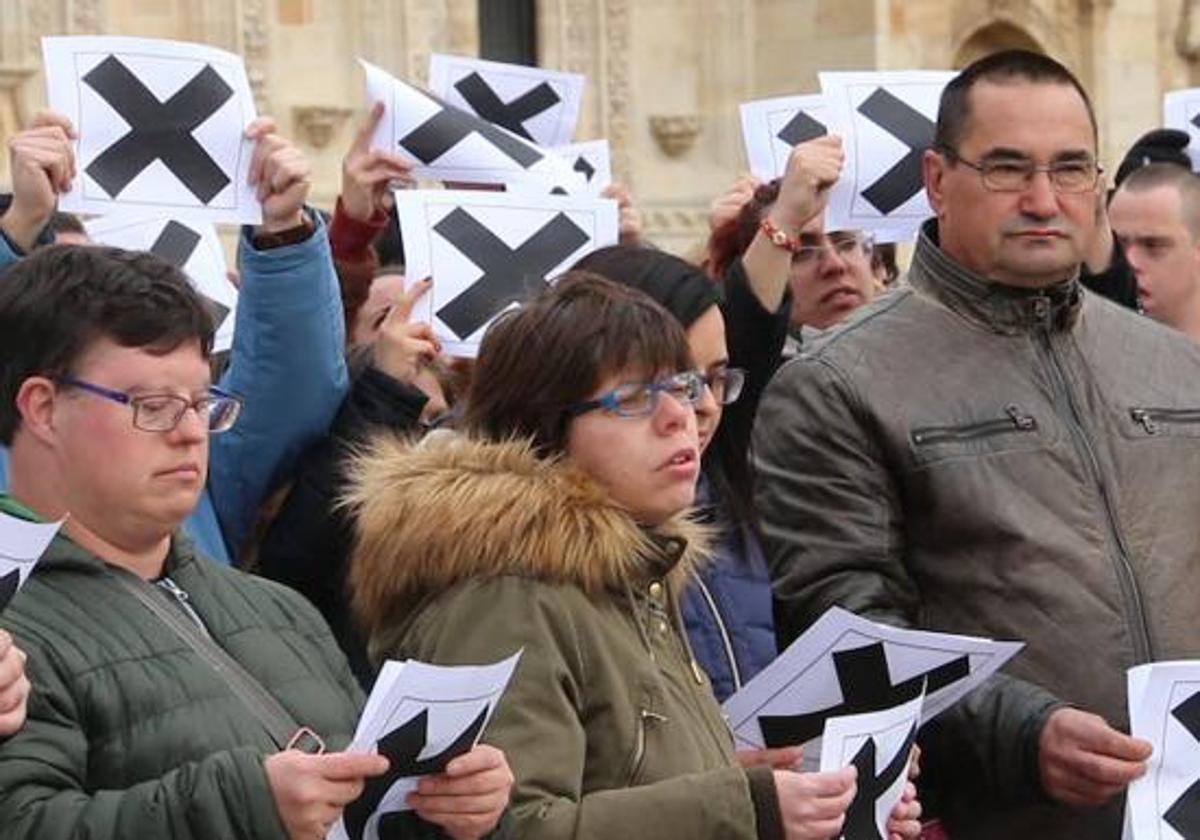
{"x":173,"y":697}
{"x":995,"y":451}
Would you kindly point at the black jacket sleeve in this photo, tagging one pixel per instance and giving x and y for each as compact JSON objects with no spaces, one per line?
{"x":308,"y":545}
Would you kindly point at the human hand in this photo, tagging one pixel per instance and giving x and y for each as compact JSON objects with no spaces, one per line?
{"x":467,"y":800}
{"x":1083,"y":761}
{"x":726,"y":207}
{"x":281,"y":174}
{"x":1097,"y":255}
{"x":310,"y":791}
{"x":813,"y":805}
{"x":812,"y":168}
{"x":904,"y":823}
{"x":368,"y":174}
{"x":629,"y":223}
{"x":14,"y":686}
{"x":403,"y":347}
{"x":780,"y":758}
{"x":42,"y":163}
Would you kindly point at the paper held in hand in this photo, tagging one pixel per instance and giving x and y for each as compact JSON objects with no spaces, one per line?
{"x":421,"y":717}
{"x":847,"y":665}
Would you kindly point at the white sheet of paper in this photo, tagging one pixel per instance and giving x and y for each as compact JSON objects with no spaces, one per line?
{"x":204,"y":265}
{"x":1181,"y":110}
{"x":803,"y":680}
{"x":767,"y":123}
{"x":452,"y":155}
{"x":892,"y":731}
{"x":208,"y":150}
{"x":22,"y":544}
{"x":881,"y":186}
{"x":1160,"y":694}
{"x":545,"y":235}
{"x":543,"y":104}
{"x":453,"y":697}
{"x":592,"y":161}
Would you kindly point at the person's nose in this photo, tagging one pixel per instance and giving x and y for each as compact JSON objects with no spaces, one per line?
{"x":1040,"y":199}
{"x":673,"y":413}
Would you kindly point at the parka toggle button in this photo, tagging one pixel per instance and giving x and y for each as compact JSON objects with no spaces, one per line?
{"x":1041,"y":311}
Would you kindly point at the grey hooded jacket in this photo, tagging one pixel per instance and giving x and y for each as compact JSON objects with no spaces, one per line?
{"x":1016,"y":464}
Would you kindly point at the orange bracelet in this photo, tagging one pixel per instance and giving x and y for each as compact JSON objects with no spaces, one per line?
{"x":778,"y":236}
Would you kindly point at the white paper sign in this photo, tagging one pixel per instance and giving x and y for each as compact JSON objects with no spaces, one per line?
{"x":22,"y":544}
{"x":846,"y":664}
{"x":887,"y":121}
{"x":590,"y":161}
{"x":1181,"y":110}
{"x":1164,"y":709}
{"x":540,"y":105}
{"x":420,"y":716}
{"x":488,"y":251}
{"x":193,"y":247}
{"x":772,"y":127}
{"x":449,"y":144}
{"x":879,"y":745}
{"x":161,"y":127}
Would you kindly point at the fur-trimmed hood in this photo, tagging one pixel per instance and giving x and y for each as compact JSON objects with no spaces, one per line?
{"x":452,"y":508}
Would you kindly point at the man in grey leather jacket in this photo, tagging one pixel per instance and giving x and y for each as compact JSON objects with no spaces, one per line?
{"x":995,"y":451}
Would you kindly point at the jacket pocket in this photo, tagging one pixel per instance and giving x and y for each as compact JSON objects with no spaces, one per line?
{"x":1164,"y":422}
{"x":637,"y":760}
{"x":1012,"y":430}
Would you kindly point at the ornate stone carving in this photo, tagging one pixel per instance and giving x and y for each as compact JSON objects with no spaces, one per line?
{"x":256,"y":49}
{"x":676,"y":220}
{"x":86,"y":17}
{"x":675,"y":133}
{"x":1187,"y":32}
{"x":319,"y":123}
{"x":617,"y":60}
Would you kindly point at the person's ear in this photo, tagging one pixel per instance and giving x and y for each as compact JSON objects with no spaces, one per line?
{"x":35,"y":402}
{"x":933,"y":169}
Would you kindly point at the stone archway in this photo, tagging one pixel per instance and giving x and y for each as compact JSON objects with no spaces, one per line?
{"x":994,"y":37}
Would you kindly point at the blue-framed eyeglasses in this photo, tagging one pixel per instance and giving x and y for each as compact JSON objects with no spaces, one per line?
{"x":638,"y":399}
{"x":163,"y":412}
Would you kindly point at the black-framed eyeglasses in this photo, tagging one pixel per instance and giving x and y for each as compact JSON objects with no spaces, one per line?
{"x":638,"y":399}
{"x":846,"y":244}
{"x":1014,"y":174}
{"x":162,"y":412}
{"x":725,"y":383}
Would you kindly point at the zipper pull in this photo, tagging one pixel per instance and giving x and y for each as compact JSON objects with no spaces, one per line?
{"x":1142,"y":416}
{"x":1024,"y":422}
{"x":172,"y":587}
{"x":696,"y":672}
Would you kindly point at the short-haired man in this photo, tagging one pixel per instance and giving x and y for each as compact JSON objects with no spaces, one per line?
{"x":167,"y":689}
{"x":1155,"y":215}
{"x":996,"y":452}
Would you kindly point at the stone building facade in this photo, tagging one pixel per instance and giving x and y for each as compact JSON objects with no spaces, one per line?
{"x":664,"y":76}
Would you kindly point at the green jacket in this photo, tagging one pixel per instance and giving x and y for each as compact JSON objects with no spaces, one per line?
{"x":1013,"y":464}
{"x":129,"y":733}
{"x":470,"y":551}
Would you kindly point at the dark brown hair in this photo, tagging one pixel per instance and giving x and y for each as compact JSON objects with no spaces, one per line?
{"x":556,"y":350}
{"x":731,"y":239}
{"x":58,"y":301}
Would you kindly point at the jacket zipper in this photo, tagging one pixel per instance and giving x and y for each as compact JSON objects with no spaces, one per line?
{"x":645,"y":716}
{"x":1015,"y":422}
{"x":1126,"y":579}
{"x":1151,"y":419}
{"x":725,"y":640}
{"x":181,"y":597}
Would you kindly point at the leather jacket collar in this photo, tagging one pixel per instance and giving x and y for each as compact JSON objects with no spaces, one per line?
{"x":1003,"y":309}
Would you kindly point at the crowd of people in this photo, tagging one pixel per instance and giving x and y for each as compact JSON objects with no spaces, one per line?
{"x":655,"y":475}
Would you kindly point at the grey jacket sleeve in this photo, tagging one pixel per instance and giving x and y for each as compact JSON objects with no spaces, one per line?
{"x":834,"y":534}
{"x":42,"y":792}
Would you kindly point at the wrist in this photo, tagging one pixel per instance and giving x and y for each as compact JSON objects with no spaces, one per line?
{"x":264,"y":239}
{"x":785,"y":237}
{"x":281,"y":224}
{"x":22,"y":228}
